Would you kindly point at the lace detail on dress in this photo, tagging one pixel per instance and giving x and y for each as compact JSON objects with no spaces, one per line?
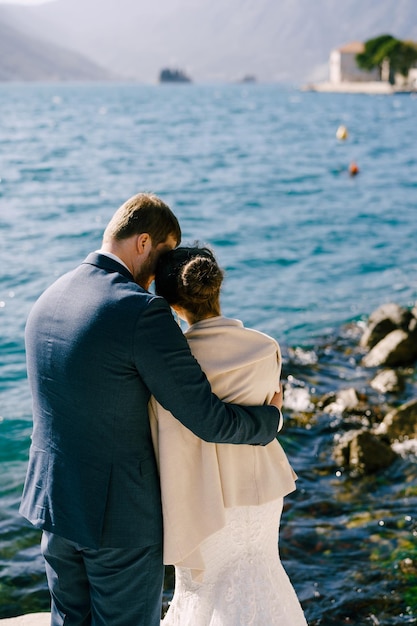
{"x":244,"y":582}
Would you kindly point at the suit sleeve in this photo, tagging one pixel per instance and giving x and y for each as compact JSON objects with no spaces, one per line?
{"x":177,"y":381}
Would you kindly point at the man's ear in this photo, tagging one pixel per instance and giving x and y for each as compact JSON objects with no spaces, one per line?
{"x":143,"y":243}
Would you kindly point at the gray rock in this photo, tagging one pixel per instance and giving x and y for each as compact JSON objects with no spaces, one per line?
{"x":384,"y":320}
{"x":345,"y":400}
{"x":387,"y":381}
{"x":364,"y":452}
{"x":397,"y":348}
{"x":400,"y":424}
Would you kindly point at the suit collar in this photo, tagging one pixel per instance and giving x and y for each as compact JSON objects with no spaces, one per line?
{"x":112,"y":256}
{"x":107,"y":263}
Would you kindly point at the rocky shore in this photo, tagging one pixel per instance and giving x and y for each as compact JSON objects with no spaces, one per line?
{"x":374,"y":420}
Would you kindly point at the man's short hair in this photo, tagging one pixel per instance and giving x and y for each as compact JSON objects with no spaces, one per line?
{"x":143,"y":213}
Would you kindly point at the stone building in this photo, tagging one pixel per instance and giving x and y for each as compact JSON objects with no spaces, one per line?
{"x":343,"y":66}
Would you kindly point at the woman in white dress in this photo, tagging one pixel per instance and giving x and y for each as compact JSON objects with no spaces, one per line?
{"x":222,"y":503}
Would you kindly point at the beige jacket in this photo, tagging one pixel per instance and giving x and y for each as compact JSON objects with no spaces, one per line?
{"x":200,"y":479}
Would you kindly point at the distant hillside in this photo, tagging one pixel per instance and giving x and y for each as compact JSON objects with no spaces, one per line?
{"x":213,"y":39}
{"x":23,"y":58}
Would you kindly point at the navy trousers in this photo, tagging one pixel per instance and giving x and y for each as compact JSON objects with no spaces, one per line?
{"x":105,"y":587}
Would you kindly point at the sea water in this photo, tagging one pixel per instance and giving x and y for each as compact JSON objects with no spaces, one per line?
{"x":256,"y":172}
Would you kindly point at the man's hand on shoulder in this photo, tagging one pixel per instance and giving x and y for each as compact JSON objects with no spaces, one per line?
{"x":276,"y":401}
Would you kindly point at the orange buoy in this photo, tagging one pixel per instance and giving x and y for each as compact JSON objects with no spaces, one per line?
{"x":353,"y":169}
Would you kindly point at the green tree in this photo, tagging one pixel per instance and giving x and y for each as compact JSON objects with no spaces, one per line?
{"x":400,"y":55}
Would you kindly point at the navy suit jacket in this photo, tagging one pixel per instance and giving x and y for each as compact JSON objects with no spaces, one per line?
{"x":98,"y":346}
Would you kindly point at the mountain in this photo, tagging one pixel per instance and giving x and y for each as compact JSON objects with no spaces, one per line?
{"x":212,"y":39}
{"x":23,"y":58}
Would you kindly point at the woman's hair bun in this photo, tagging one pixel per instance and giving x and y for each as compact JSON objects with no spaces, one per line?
{"x":200,"y":279}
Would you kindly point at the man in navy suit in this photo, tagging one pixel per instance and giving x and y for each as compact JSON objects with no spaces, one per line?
{"x":98,"y":345}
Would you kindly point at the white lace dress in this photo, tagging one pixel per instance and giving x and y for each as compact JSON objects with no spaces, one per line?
{"x":244,"y":582}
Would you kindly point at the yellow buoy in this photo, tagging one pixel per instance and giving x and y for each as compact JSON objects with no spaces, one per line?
{"x":342,"y":133}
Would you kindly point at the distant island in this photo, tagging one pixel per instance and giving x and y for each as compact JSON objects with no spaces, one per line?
{"x":248,"y":79}
{"x":168,"y":75}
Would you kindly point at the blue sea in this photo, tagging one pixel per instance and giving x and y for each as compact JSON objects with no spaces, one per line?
{"x":256,"y":172}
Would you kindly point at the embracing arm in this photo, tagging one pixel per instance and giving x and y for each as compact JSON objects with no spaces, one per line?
{"x":174,"y":377}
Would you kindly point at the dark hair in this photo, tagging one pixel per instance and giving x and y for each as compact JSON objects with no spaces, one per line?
{"x":143,"y":213}
{"x":191,"y":278}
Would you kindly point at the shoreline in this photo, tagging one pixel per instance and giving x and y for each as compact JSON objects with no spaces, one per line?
{"x":370,"y":88}
{"x":30,"y":619}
